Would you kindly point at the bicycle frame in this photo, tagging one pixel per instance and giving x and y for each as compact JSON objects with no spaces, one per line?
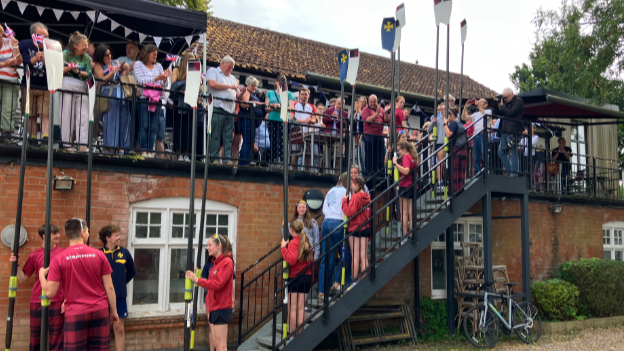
{"x":507,"y":324}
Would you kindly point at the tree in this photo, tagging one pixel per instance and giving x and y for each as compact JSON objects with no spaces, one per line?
{"x":197,"y":5}
{"x":579,"y":50}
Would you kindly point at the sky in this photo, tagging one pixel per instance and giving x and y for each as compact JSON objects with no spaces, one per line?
{"x":500,"y":33}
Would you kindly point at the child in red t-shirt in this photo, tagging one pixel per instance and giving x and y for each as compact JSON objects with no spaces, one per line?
{"x":407,"y":160}
{"x":359,"y":226}
{"x":56,"y":309}
{"x":298,"y":254}
{"x":85,"y":276}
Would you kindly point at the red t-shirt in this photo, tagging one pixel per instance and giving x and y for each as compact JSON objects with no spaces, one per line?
{"x":79,"y":269}
{"x":33,"y":264}
{"x":406,"y":180}
{"x":371,"y":128}
{"x":399,"y":117}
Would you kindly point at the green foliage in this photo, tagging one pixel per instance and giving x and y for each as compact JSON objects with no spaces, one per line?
{"x":600,"y":284}
{"x":578,"y":51}
{"x":197,"y":5}
{"x":434,"y":315}
{"x":556,"y":299}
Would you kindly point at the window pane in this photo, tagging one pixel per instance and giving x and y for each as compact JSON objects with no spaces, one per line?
{"x":146,"y":282}
{"x":617,"y":237}
{"x":574,"y":133}
{"x":154,"y":218}
{"x":177,"y":270}
{"x":223,"y":220}
{"x":438,"y":269}
{"x":154,"y":232}
{"x":211,"y":219}
{"x":475,"y":233}
{"x":607,"y":255}
{"x":178,"y":219}
{"x":141,"y":232}
{"x":618,"y":255}
{"x":141,"y":217}
{"x":210,"y":231}
{"x":606,"y":237}
{"x":177,"y":232}
{"x":223,"y":231}
{"x":580,"y":133}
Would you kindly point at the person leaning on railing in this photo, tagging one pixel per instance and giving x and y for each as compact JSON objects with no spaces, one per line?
{"x":477,"y":124}
{"x":273,"y":103}
{"x":75,"y":98}
{"x":32,"y":55}
{"x":511,"y":108}
{"x":9,"y":58}
{"x":246,"y":123}
{"x":149,"y":72}
{"x":456,"y":133}
{"x":116,"y":120}
{"x":373,"y":140}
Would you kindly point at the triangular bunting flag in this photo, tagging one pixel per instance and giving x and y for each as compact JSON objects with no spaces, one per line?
{"x":101,"y":17}
{"x":127,"y":31}
{"x":114,"y":25}
{"x":22,"y":6}
{"x":157,"y":40}
{"x":4,"y":3}
{"x":40,"y":9}
{"x":58,"y":14}
{"x":75,"y":14}
{"x":91,"y":15}
{"x":189,"y":39}
{"x":142,"y":37}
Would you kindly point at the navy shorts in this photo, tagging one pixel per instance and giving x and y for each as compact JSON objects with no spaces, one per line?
{"x":122,"y":308}
{"x":220,"y":317}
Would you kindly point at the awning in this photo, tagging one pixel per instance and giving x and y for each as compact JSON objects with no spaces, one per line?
{"x":546,"y":104}
{"x":117,"y":22}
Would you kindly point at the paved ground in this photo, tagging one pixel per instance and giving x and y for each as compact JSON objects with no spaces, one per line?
{"x":600,"y":339}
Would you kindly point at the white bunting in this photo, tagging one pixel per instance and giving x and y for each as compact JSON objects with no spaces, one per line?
{"x":22,"y":6}
{"x":114,"y":25}
{"x":142,"y":37}
{"x":75,"y":14}
{"x":157,"y":40}
{"x":189,"y":39}
{"x":127,"y":31}
{"x":40,"y":9}
{"x":91,"y":15}
{"x":101,"y":17}
{"x":5,"y":3}
{"x":58,"y":14}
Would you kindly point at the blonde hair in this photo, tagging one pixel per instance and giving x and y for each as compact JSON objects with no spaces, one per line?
{"x":75,"y":39}
{"x":410,"y":149}
{"x":305,"y":252}
{"x":398,"y":98}
{"x":183,"y":66}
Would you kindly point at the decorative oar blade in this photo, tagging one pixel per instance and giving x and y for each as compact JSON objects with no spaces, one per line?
{"x":343,"y":64}
{"x":388,"y":36}
{"x":464,"y":31}
{"x":442,"y":10}
{"x":354,"y":63}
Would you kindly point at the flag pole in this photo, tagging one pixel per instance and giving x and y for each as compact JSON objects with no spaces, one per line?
{"x":446,"y":100}
{"x":399,"y":71}
{"x":341,"y":124}
{"x":285,"y":157}
{"x":17,"y":231}
{"x":434,"y":131}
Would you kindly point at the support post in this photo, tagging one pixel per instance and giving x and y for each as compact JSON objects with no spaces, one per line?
{"x":285,"y":274}
{"x":486,"y":203}
{"x":461,"y":81}
{"x":446,"y":101}
{"x":340,"y":114}
{"x":450,"y":280}
{"x":417,"y":294}
{"x":89,"y":173}
{"x":526,"y":246}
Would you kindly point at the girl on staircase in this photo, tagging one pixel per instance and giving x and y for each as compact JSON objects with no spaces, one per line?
{"x":359,"y":226}
{"x":407,"y":160}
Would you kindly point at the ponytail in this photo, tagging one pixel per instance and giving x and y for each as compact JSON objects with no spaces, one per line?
{"x":226,"y":246}
{"x":305,"y":252}
{"x":411,"y":149}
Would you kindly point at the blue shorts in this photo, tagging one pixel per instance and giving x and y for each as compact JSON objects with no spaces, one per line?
{"x":122,"y":308}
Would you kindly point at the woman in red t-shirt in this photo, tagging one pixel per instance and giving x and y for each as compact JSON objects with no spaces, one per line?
{"x":399,"y":115}
{"x":298,"y":254}
{"x":359,"y":226}
{"x":408,"y":160}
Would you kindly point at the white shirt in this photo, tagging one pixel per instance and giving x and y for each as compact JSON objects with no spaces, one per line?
{"x":217,"y":75}
{"x":302,"y":112}
{"x":534,"y":140}
{"x":477,"y":120}
{"x":332,"y":207}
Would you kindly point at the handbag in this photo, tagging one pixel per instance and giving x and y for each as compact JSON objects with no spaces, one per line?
{"x":553,"y":168}
{"x":103,"y":102}
{"x":128,"y":86}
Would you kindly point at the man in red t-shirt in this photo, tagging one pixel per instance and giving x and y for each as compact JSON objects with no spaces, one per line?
{"x":331,"y":119}
{"x":56,"y":309}
{"x":372,"y":149}
{"x":85,"y":275}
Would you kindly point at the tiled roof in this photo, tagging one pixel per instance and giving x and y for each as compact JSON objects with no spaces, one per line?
{"x":272,"y":52}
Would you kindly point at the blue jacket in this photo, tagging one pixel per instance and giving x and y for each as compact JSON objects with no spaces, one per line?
{"x":122,"y":264}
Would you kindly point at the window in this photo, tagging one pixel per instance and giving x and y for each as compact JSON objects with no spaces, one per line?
{"x":159,"y":232}
{"x":465,"y":230}
{"x":613,"y":241}
{"x":579,"y":148}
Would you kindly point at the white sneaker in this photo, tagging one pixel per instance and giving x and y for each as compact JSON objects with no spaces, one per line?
{"x":146,"y":154}
{"x":187,"y":159}
{"x":180,"y":158}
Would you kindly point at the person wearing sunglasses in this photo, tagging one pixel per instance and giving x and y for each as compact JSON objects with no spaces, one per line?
{"x":90,"y":301}
{"x":56,"y":309}
{"x":220,"y":286}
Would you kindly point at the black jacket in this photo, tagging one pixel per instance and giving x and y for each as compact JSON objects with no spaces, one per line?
{"x":514,"y":110}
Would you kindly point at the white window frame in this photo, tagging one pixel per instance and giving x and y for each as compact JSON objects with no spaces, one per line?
{"x":614,"y":239}
{"x":440,"y":294}
{"x":579,"y":161}
{"x":167,"y":207}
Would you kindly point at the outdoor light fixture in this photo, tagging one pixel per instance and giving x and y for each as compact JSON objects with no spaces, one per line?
{"x":556,"y":209}
{"x":63,"y":182}
{"x":314,"y":198}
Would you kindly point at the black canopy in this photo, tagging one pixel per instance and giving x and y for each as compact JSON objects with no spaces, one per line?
{"x":551,"y":105}
{"x":142,"y":16}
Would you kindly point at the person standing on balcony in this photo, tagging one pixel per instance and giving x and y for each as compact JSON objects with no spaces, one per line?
{"x":122,"y":264}
{"x":304,"y":113}
{"x":456,"y":133}
{"x":219,"y":284}
{"x":399,"y":115}
{"x":405,"y":163}
{"x":273,"y":103}
{"x":562,"y":155}
{"x":56,"y":309}
{"x":298,"y":253}
{"x":359,"y":225}
{"x":32,"y":55}
{"x":132,"y":51}
{"x":223,"y":85}
{"x":438,"y":121}
{"x":373,"y":140}
{"x":9,"y":58}
{"x":247,"y":122}
{"x":511,"y":108}
{"x":477,"y":123}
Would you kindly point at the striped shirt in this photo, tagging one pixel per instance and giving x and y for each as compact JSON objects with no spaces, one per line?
{"x":144,"y":75}
{"x":6,"y":52}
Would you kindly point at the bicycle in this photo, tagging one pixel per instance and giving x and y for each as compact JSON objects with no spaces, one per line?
{"x":482,"y":329}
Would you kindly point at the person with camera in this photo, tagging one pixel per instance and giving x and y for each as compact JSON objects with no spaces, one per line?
{"x":475,"y":111}
{"x":511,"y":109}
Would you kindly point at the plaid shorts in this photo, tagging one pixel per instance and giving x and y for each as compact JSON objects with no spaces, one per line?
{"x":90,"y":331}
{"x":55,"y":326}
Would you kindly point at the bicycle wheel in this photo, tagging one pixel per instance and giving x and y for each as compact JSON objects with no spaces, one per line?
{"x":525,"y":313}
{"x":481,"y":332}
